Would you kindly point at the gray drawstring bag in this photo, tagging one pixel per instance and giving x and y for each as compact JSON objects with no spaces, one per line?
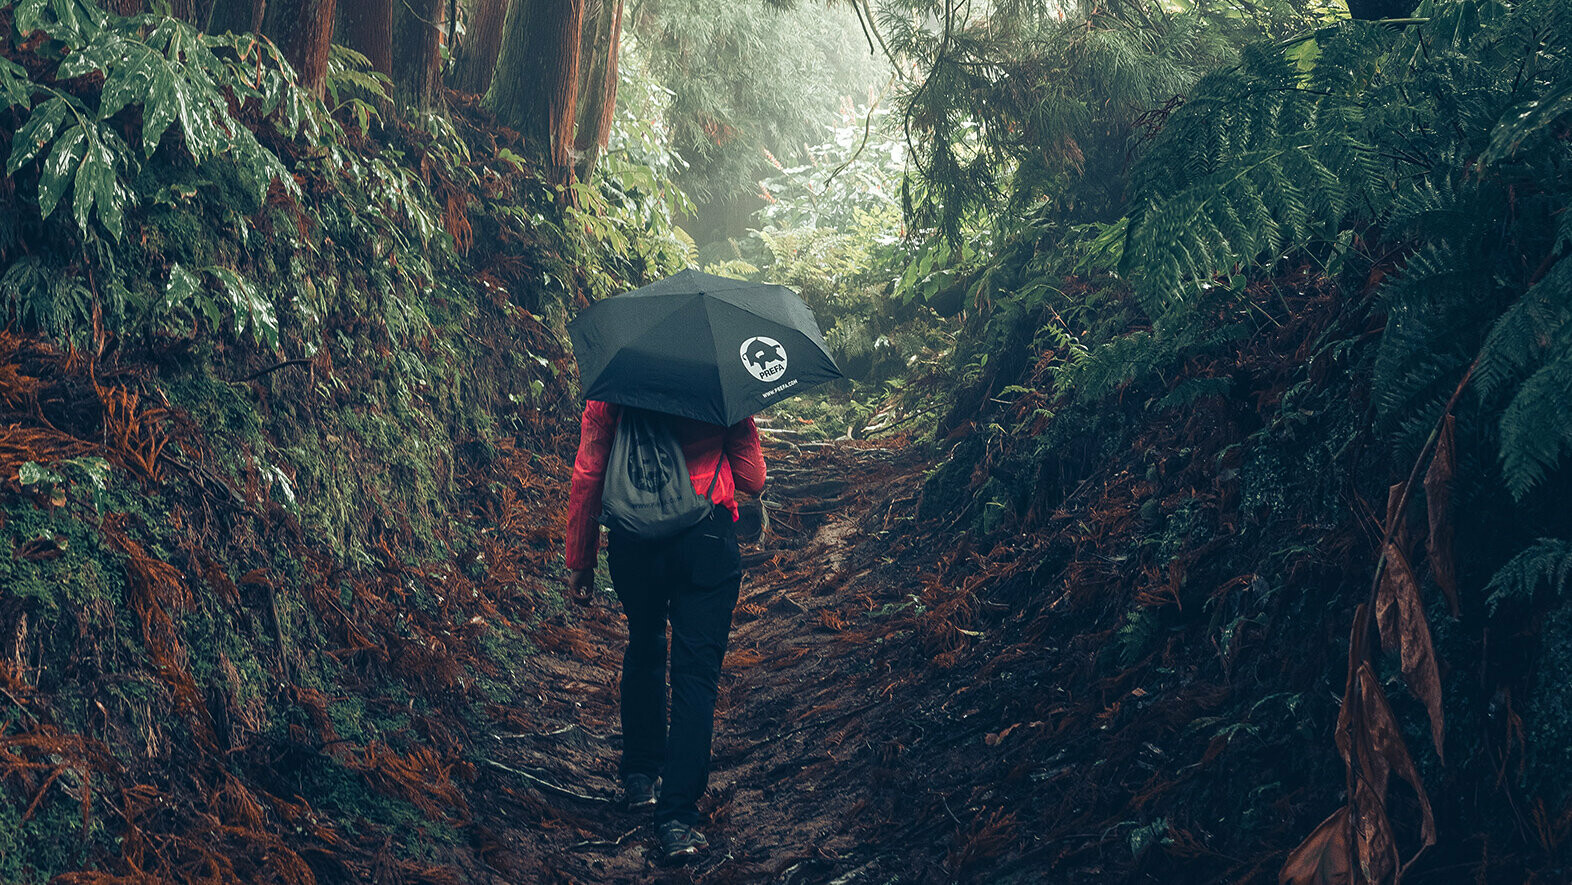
{"x":648,"y":492}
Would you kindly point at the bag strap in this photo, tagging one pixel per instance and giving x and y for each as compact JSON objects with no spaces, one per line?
{"x":715,"y":477}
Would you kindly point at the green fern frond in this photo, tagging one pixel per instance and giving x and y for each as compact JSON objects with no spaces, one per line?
{"x":1546,"y":564}
{"x":1525,"y":331}
{"x":350,"y":75}
{"x":43,"y":298}
{"x":1536,"y":428}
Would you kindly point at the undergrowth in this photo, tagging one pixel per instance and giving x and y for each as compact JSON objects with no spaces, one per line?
{"x":1312,"y":379}
{"x":279,"y":452}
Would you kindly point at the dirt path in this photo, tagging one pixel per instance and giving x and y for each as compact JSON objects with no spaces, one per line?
{"x":795,"y":777}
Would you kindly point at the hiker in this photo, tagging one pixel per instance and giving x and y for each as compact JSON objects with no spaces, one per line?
{"x":690,"y":579}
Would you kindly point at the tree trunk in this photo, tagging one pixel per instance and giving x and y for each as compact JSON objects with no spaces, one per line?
{"x":597,"y":82}
{"x":482,"y":44}
{"x":417,"y":34}
{"x":366,"y":26}
{"x":303,"y":30}
{"x":536,"y":86}
{"x":192,"y":12}
{"x":239,"y":16}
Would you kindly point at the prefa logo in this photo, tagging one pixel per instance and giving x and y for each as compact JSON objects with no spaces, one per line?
{"x":764,"y":358}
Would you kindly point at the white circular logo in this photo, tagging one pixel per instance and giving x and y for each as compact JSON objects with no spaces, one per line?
{"x":764,"y":358}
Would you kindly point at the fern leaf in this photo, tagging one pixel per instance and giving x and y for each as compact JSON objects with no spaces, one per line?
{"x":1545,"y":564}
{"x":1524,"y":331}
{"x":1533,"y":118}
{"x":1536,"y":429}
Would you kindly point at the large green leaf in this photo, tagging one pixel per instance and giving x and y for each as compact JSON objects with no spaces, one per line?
{"x":185,"y":288}
{"x":99,"y":55}
{"x":37,"y":133}
{"x":15,"y":87}
{"x":249,"y":308}
{"x":73,"y":22}
{"x":155,"y":75}
{"x":1532,"y":118}
{"x":59,"y":170}
{"x":178,"y":93}
{"x":97,"y":184}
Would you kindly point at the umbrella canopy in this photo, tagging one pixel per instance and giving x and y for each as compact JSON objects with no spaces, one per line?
{"x":705,"y":347}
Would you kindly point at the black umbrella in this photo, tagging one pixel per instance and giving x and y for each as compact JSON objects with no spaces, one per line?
{"x":701,"y":346}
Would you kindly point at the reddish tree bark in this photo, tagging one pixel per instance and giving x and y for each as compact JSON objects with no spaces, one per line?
{"x":537,"y":81}
{"x":417,"y":39}
{"x":366,"y":26}
{"x":482,"y":44}
{"x":597,"y":104}
{"x":303,"y":31}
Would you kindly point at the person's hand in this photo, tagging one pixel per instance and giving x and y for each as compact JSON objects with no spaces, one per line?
{"x":581,"y":585}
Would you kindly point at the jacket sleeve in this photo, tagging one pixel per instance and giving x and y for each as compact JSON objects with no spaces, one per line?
{"x":746,"y":456}
{"x":596,"y":429}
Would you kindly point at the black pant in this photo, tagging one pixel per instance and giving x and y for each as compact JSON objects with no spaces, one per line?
{"x":691,"y":580}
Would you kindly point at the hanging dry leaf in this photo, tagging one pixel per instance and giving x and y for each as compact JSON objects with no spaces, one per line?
{"x":1438,"y":502}
{"x":1400,"y":618}
{"x":1369,"y":770}
{"x":1322,"y":858}
{"x":1421,"y":671}
{"x":1386,"y":607}
{"x":1371,"y":745}
{"x":1368,"y":736}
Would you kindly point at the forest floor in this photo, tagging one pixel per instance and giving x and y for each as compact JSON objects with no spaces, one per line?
{"x":801,"y":782}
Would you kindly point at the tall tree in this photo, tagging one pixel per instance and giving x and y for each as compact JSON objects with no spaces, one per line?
{"x":417,"y":41}
{"x":746,"y":77}
{"x":477,"y":60}
{"x":597,"y":102}
{"x":303,"y":30}
{"x":239,"y":16}
{"x":366,"y":26}
{"x":537,"y":81}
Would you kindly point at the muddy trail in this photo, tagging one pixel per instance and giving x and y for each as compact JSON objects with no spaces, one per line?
{"x":797,"y":766}
{"x":803,"y":776}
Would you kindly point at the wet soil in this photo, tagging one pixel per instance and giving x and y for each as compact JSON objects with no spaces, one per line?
{"x":801,"y":785}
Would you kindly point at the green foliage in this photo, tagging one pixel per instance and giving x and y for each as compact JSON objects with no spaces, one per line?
{"x":354,"y":86}
{"x":58,"y":304}
{"x":247,"y":308}
{"x":857,"y":172}
{"x":745,"y":78}
{"x":1258,"y":161}
{"x":15,"y":89}
{"x":1034,"y":103}
{"x":1546,"y":563}
{"x":1285,"y":156}
{"x":158,"y":65}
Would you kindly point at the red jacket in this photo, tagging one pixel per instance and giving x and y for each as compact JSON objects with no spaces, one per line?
{"x":702,"y":445}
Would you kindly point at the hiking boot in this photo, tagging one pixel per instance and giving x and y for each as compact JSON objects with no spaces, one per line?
{"x":638,"y":791}
{"x":678,"y":841}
